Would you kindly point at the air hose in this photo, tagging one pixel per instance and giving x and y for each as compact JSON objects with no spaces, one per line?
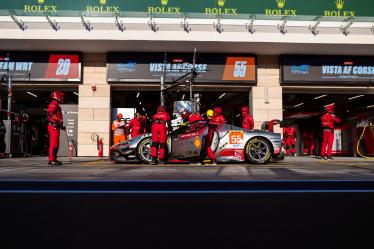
{"x":359,"y":141}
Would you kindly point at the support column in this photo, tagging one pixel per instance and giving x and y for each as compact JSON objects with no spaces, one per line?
{"x":266,"y":98}
{"x":94,"y":107}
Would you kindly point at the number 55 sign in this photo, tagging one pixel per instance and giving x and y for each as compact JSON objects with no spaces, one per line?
{"x":236,"y":137}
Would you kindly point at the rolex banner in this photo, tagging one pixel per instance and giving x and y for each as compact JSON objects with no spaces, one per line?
{"x":211,"y":68}
{"x":298,"y":70}
{"x":177,"y":8}
{"x":41,"y":66}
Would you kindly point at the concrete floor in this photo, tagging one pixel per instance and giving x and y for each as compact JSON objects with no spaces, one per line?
{"x":86,"y":168}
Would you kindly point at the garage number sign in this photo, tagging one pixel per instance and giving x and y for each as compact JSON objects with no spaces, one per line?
{"x":327,"y":70}
{"x":211,"y":68}
{"x":41,"y":66}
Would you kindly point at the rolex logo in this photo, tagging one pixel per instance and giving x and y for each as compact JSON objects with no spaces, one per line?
{"x":40,"y":1}
{"x":102,"y":2}
{"x":221,"y":3}
{"x":164,"y":2}
{"x":339,"y":4}
{"x":281,"y":3}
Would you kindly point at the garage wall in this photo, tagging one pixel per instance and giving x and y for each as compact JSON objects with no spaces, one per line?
{"x":266,"y":98}
{"x":94,"y":106}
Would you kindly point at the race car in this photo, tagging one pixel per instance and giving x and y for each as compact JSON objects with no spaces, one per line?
{"x":230,"y":144}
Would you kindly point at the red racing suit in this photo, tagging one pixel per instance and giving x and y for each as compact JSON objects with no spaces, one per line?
{"x":54,"y":125}
{"x":159,"y":133}
{"x":213,"y":124}
{"x":194,"y":117}
{"x":248,"y":122}
{"x":328,"y":121}
{"x":289,"y":134}
{"x":136,"y":126}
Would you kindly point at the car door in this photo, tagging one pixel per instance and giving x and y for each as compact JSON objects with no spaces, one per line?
{"x":187,"y":141}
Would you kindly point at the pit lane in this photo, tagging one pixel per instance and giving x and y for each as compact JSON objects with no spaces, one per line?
{"x":299,"y":168}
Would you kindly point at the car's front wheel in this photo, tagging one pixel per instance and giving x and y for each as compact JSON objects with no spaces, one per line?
{"x":258,"y":150}
{"x":143,"y":150}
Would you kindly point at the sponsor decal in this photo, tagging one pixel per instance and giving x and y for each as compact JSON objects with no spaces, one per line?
{"x":102,"y":7}
{"x":39,"y":6}
{"x":300,"y":69}
{"x":239,"y":68}
{"x":183,"y":67}
{"x":236,"y":137}
{"x":164,"y":8}
{"x":221,"y":9}
{"x":197,"y":142}
{"x":339,"y":11}
{"x":347,"y":70}
{"x":280,"y":10}
{"x":127,"y":67}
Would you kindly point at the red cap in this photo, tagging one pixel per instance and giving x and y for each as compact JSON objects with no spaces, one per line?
{"x":245,"y":109}
{"x":217,"y":110}
{"x":57,"y":95}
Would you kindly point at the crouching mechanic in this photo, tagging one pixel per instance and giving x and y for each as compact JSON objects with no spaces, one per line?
{"x":189,"y":117}
{"x":289,"y":134}
{"x":159,"y":134}
{"x":215,"y":119}
{"x":55,"y":123}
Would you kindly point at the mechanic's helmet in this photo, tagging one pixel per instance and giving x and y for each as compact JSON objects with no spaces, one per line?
{"x":57,"y":95}
{"x":209,"y":114}
{"x":161,"y":108}
{"x":330,"y":108}
{"x":119,"y":116}
{"x":217,"y":110}
{"x":245,"y":109}
{"x":184,"y":113}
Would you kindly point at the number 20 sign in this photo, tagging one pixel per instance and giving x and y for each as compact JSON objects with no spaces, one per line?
{"x":236,"y":137}
{"x":63,"y":66}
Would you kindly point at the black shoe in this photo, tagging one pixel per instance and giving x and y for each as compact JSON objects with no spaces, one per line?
{"x":54,"y":163}
{"x":58,"y":162}
{"x":325,"y":157}
{"x":329,"y":158}
{"x":161,"y":162}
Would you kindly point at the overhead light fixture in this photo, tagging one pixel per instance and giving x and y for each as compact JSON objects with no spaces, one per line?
{"x":355,"y":97}
{"x":76,"y":93}
{"x":137,"y":95}
{"x":222,"y":95}
{"x":237,"y":115}
{"x":329,"y":104}
{"x":140,"y":103}
{"x":298,"y":105}
{"x":322,"y":96}
{"x":32,"y":94}
{"x":143,"y":109}
{"x":370,"y":106}
{"x":184,"y":95}
{"x":283,"y":110}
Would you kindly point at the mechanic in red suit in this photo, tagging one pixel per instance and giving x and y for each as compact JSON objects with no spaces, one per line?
{"x":289,"y":134}
{"x":137,"y":125}
{"x":311,"y":142}
{"x":159,"y":134}
{"x":217,"y":120}
{"x":306,"y":145}
{"x":328,"y":121}
{"x":190,"y":117}
{"x":55,"y":123}
{"x":248,"y":122}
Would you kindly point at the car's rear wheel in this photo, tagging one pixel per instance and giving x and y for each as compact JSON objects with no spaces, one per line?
{"x":258,"y":150}
{"x":143,"y":150}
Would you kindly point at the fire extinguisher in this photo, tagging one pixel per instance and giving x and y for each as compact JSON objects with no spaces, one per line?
{"x":100,"y":147}
{"x":70,"y":149}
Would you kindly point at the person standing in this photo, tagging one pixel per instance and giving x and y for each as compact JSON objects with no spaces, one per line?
{"x":248,"y":122}
{"x":214,"y":122}
{"x":159,"y":134}
{"x":289,"y":134}
{"x":55,"y":123}
{"x":137,"y":125}
{"x":328,"y":121}
{"x":189,"y":117}
{"x":118,"y":128}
